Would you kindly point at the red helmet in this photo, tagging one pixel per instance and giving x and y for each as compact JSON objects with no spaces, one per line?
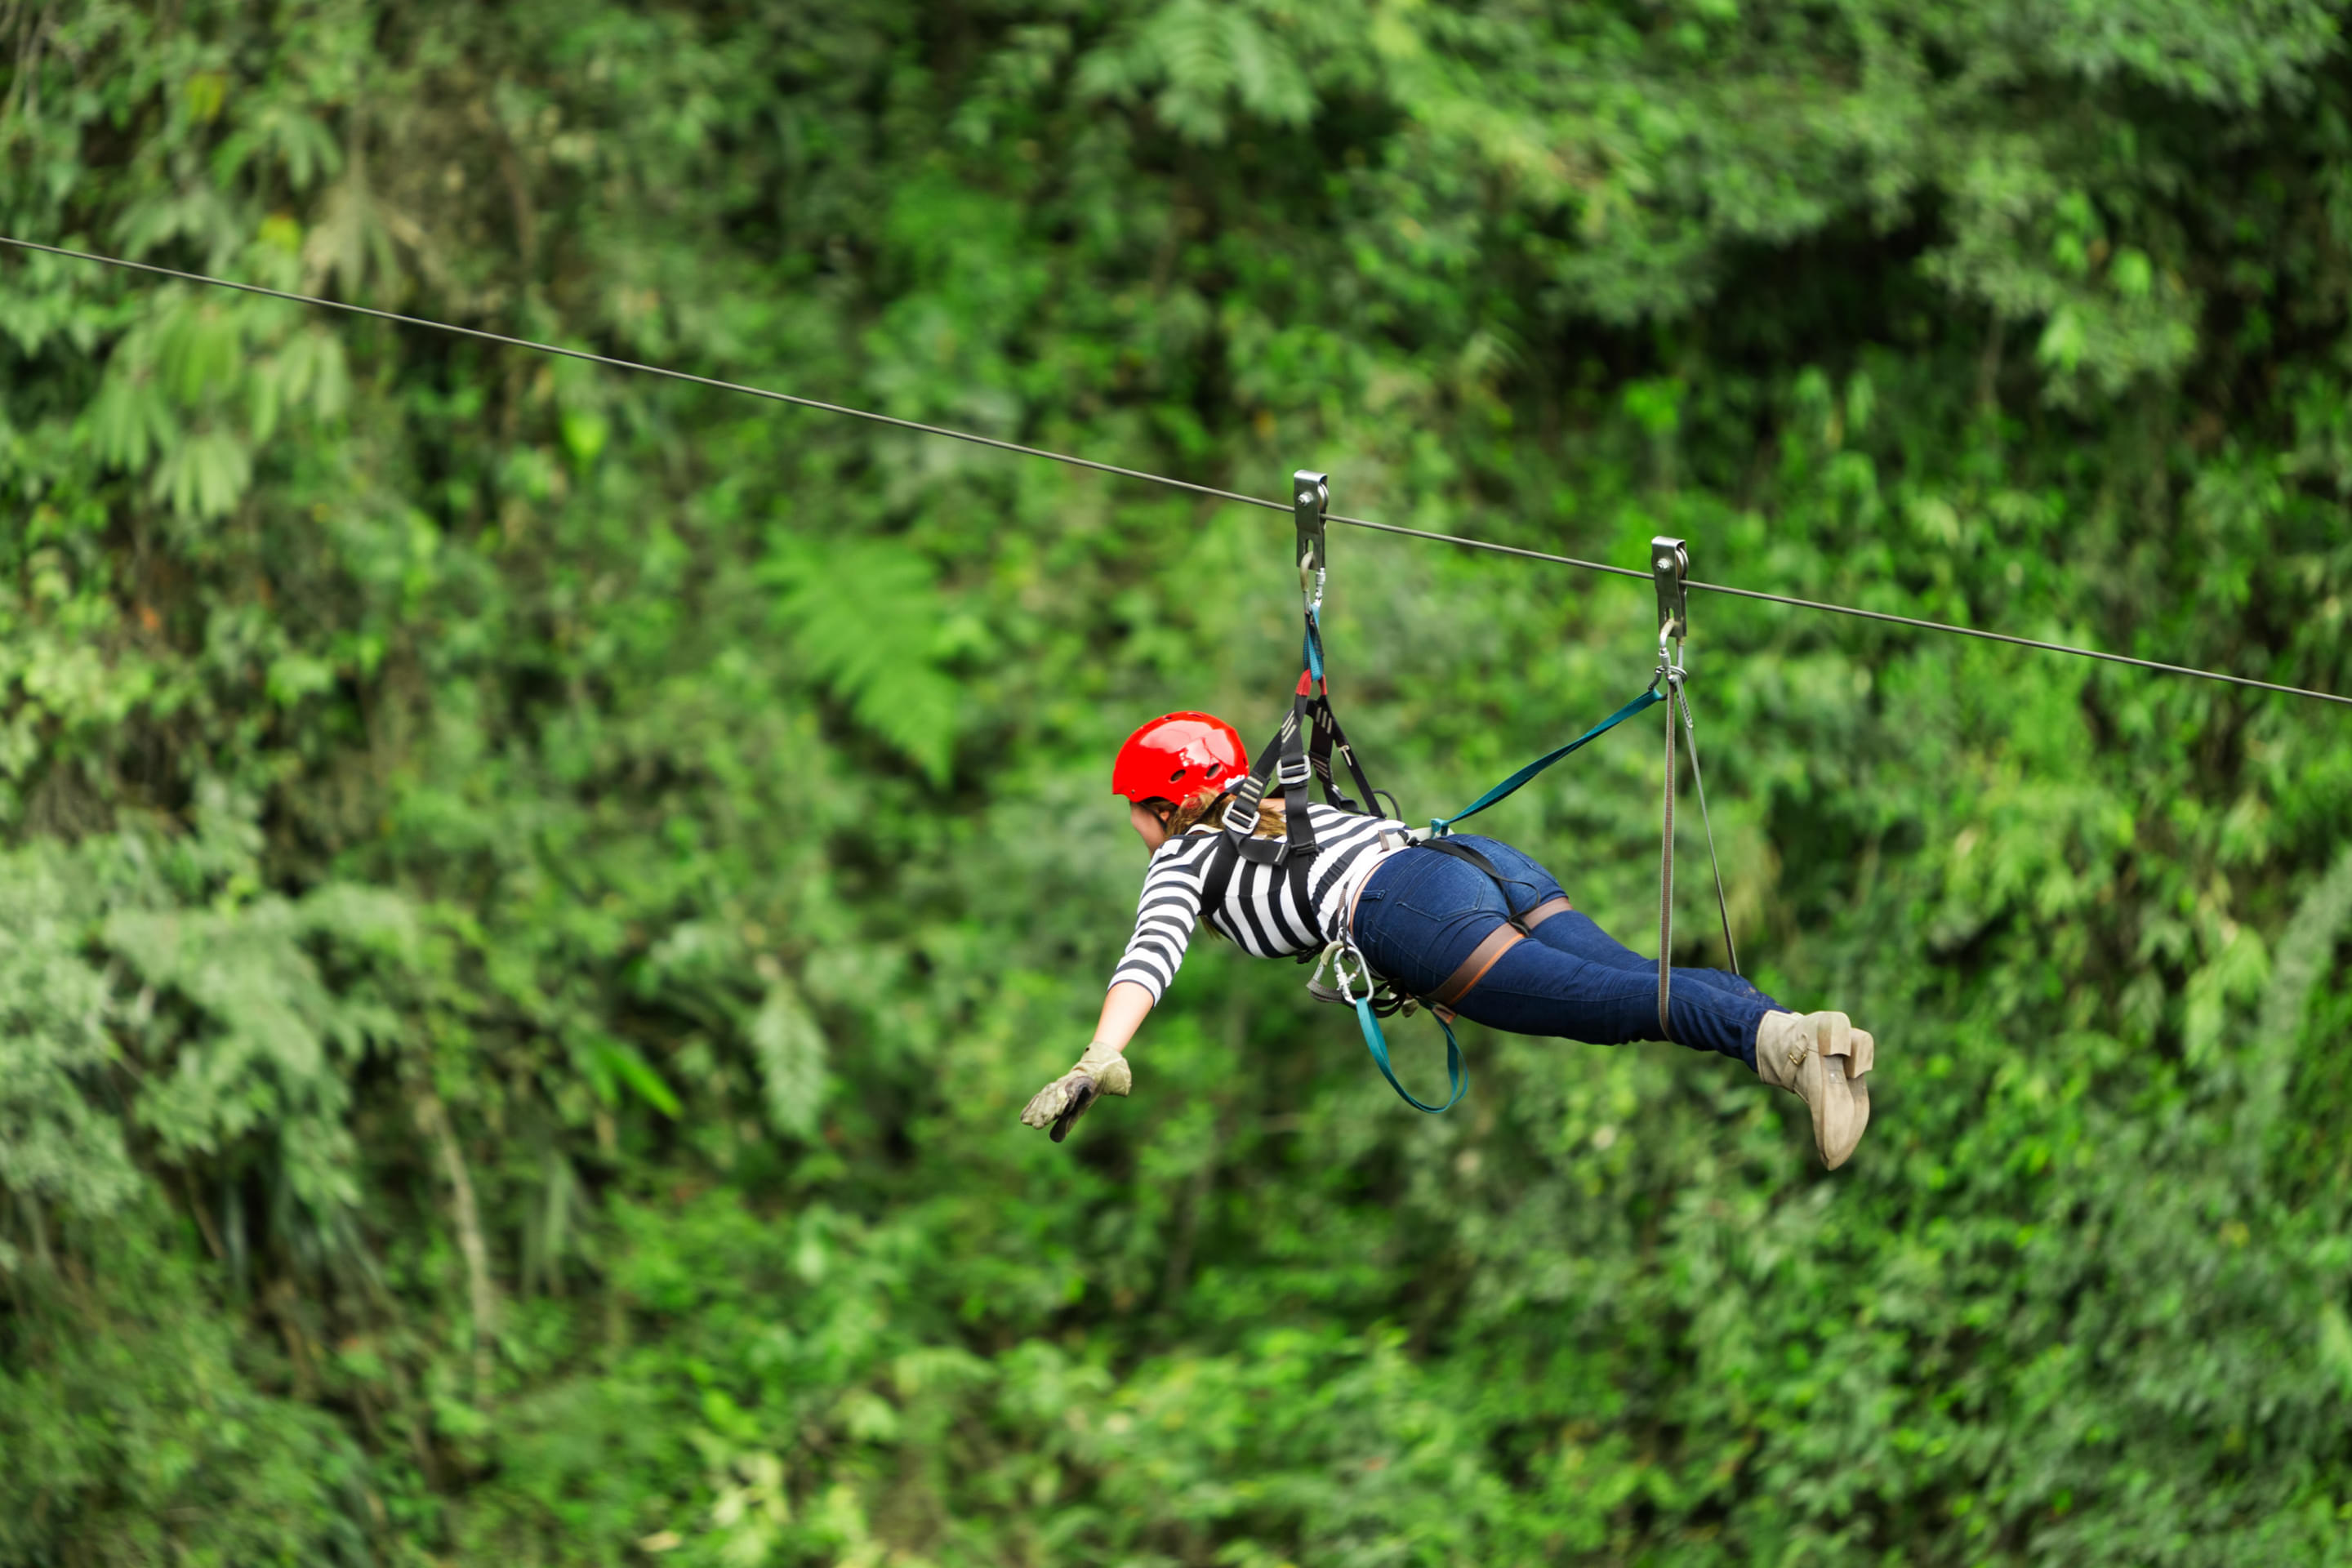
{"x":1178,"y":756}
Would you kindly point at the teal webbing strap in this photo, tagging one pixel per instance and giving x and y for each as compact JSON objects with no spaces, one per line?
{"x":1440,"y":825}
{"x":1458,"y":1075}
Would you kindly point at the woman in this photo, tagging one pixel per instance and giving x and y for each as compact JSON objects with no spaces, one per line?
{"x":1487,"y":935}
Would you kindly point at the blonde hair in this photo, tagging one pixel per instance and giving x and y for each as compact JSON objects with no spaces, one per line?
{"x":1205,"y":807}
{"x":1210,"y":805}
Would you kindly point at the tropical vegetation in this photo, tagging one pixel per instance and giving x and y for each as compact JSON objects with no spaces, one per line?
{"x":530,"y":894}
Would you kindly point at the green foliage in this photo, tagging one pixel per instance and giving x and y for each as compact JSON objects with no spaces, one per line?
{"x":532,"y":896}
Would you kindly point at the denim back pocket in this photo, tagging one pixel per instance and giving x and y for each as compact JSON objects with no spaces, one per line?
{"x":1448,"y":889}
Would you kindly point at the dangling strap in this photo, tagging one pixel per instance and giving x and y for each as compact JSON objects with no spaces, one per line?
{"x":1669,"y":570}
{"x":1666,"y":877}
{"x":1722,"y":905}
{"x":1457,"y":1076}
{"x":1674,"y":677}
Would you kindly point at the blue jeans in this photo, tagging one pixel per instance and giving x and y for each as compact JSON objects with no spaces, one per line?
{"x":1423,"y":912}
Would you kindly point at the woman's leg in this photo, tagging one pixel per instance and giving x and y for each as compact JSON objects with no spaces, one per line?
{"x":1576,"y":935}
{"x":1425,"y":912}
{"x":1421,"y":914}
{"x":1537,"y":989}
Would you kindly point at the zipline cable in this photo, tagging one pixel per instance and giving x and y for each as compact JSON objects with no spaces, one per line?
{"x":976,"y":439}
{"x":559,"y":350}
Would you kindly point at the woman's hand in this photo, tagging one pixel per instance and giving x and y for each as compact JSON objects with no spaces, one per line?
{"x":1102,"y":1070}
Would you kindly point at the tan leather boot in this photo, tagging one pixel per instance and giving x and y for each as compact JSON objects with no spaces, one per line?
{"x":1821,"y":1059}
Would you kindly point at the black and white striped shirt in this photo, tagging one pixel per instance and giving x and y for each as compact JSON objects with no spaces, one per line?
{"x":1261,"y":910}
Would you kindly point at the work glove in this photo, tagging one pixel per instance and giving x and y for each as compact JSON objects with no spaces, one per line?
{"x":1822,"y":1059}
{"x":1102,"y":1070}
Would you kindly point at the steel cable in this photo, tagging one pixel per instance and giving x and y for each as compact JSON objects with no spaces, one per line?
{"x":974,"y":438}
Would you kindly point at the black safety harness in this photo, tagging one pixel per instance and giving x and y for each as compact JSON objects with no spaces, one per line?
{"x":1301,"y":755}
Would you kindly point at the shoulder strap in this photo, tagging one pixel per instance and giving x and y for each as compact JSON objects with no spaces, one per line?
{"x":1326,"y":738}
{"x":1218,"y":877}
{"x":1217,"y":880}
{"x":1282,"y":763}
{"x":1298,"y":756}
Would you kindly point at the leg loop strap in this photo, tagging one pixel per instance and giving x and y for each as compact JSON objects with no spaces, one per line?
{"x":1473,"y":969}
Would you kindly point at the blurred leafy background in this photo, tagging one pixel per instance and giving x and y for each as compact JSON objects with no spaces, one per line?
{"x":531,"y":897}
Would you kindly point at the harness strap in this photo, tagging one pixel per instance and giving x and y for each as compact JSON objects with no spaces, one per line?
{"x":1242,"y":800}
{"x":1517,"y":927}
{"x":1229,"y":853}
{"x":1544,"y":912}
{"x":1473,"y":969}
{"x":1442,"y":825}
{"x":1722,"y":905}
{"x":1325,"y":734}
{"x":1667,"y":880}
{"x":1527,"y":922}
{"x":1494,"y":874}
{"x":1298,"y":756}
{"x":1681,"y":698}
{"x":1457,"y":1076}
{"x":1217,"y":878}
{"x":1282,"y":760}
{"x":1326,"y":738}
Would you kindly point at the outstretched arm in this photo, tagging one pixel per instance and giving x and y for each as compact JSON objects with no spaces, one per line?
{"x":1102,"y":1070}
{"x":1123,"y":1013}
{"x":1164,"y":928}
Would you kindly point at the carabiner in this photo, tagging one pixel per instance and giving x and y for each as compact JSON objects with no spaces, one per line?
{"x":1335,"y":956}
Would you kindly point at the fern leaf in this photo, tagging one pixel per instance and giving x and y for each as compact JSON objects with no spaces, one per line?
{"x":867,"y":620}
